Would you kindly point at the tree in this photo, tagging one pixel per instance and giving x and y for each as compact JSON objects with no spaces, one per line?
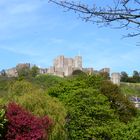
{"x":123,"y":107}
{"x":126,"y":13}
{"x":136,"y":77}
{"x":89,"y":115}
{"x":34,"y":71}
{"x":78,"y":72}
{"x":105,"y":75}
{"x":135,"y":73}
{"x":3,"y":73}
{"x":124,"y":76}
{"x":23,"y":72}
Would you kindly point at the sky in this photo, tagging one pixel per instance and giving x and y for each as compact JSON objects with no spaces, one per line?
{"x":35,"y":31}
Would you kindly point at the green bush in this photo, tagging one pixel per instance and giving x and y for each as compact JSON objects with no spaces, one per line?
{"x":78,"y":73}
{"x":3,"y":124}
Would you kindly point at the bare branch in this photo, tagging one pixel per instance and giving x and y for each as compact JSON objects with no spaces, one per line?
{"x":123,"y":12}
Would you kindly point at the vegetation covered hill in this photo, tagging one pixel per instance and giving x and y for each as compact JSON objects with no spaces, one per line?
{"x":77,"y":107}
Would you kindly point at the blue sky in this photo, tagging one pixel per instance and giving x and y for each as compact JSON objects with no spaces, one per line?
{"x":36,"y":31}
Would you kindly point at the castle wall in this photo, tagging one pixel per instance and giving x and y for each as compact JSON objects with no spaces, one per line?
{"x":51,"y":70}
{"x":11,"y":72}
{"x":59,"y":62}
{"x":115,"y":78}
{"x":78,"y":62}
{"x":66,"y":65}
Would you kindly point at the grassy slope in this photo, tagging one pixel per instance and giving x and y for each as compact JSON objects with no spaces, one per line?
{"x":130,"y":89}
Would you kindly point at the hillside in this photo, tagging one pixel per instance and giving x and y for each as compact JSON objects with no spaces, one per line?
{"x":80,"y":106}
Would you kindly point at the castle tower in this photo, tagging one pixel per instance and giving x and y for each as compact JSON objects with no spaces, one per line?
{"x":78,"y":62}
{"x":59,"y":62}
{"x":115,"y":78}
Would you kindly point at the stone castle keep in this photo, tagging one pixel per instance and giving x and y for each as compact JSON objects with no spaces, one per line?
{"x":62,"y":67}
{"x":65,"y":66}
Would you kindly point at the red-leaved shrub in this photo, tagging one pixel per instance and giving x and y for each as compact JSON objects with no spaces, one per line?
{"x":25,"y":126}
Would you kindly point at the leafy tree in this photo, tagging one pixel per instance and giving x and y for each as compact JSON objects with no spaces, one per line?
{"x":63,"y":89}
{"x":136,"y":77}
{"x":124,"y":13}
{"x":124,"y":108}
{"x":89,"y":115}
{"x":34,"y":71}
{"x":3,"y":72}
{"x":135,"y":73}
{"x":78,"y":72}
{"x":23,"y":72}
{"x":105,"y":75}
{"x":124,"y":77}
{"x":86,"y":98}
{"x":71,"y":84}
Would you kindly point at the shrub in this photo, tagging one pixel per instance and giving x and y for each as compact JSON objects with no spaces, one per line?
{"x":23,"y":125}
{"x":41,"y":104}
{"x":78,"y":72}
{"x":3,"y":123}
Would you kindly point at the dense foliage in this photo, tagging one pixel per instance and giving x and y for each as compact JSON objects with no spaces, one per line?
{"x":40,"y":104}
{"x":47,"y":81}
{"x":118,"y":101}
{"x":3,"y":123}
{"x":89,"y":115}
{"x":78,"y":72}
{"x":81,"y":106}
{"x":23,"y":125}
{"x":95,"y":107}
{"x":27,"y":72}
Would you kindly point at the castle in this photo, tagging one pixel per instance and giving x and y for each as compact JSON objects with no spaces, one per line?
{"x":65,"y":66}
{"x":62,"y":67}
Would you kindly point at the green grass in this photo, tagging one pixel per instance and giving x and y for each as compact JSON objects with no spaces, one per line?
{"x":130,"y":89}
